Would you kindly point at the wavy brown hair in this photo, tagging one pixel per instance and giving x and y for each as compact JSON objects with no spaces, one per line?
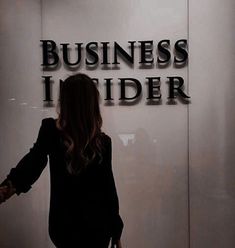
{"x":80,"y":122}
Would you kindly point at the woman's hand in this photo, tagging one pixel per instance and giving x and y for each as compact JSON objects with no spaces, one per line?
{"x":116,"y":244}
{"x":6,"y":191}
{"x":3,"y":192}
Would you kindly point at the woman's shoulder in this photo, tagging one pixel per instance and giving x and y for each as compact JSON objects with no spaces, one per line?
{"x":49,"y":124}
{"x":49,"y":121}
{"x":105,"y":137}
{"x":106,"y":141}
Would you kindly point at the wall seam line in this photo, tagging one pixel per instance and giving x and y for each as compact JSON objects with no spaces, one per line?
{"x":188,"y":125}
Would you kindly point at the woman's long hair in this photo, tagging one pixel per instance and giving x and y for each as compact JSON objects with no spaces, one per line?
{"x":80,"y":122}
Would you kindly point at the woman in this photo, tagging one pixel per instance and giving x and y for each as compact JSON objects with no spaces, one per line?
{"x":84,"y":207}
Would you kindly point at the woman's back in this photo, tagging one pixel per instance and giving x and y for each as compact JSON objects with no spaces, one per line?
{"x":84,"y":207}
{"x":81,"y":201}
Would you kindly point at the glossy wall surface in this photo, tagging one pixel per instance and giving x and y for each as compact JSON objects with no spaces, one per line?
{"x":211,"y":123}
{"x":173,"y":164}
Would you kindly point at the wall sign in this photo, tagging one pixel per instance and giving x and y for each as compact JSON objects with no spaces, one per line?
{"x":111,"y":56}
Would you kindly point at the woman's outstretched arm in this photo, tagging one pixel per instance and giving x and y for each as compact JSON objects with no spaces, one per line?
{"x":29,"y":168}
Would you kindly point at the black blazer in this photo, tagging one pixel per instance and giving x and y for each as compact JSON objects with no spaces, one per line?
{"x":78,"y":204}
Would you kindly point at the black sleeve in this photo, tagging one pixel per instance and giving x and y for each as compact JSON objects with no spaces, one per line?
{"x":30,"y":167}
{"x":116,"y":221}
